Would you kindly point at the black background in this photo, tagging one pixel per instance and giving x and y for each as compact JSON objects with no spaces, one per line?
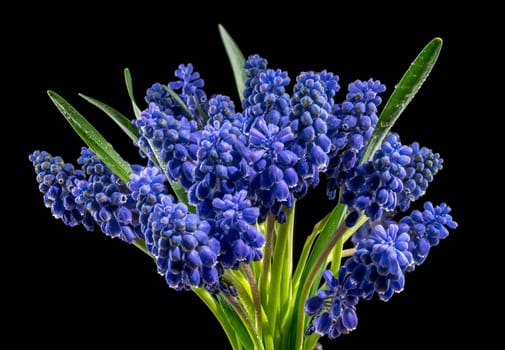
{"x":68,"y":286}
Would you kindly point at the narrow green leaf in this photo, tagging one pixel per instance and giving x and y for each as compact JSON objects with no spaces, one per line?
{"x":179,"y":101}
{"x":334,"y":220}
{"x":236,"y":58}
{"x":226,"y":320}
{"x":92,"y":137}
{"x":234,"y":323}
{"x":307,"y":246}
{"x":129,"y":88}
{"x":123,"y":122}
{"x":404,"y":92}
{"x":203,"y":115}
{"x":306,"y":287}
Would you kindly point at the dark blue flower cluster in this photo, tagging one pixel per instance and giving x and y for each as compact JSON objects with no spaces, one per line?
{"x":426,"y":228}
{"x":220,"y":169}
{"x":334,"y":308}
{"x":235,"y":229}
{"x":396,"y":176}
{"x":171,"y":140}
{"x":384,"y":253}
{"x":185,"y":254}
{"x":93,"y":195}
{"x":107,"y":198}
{"x":56,"y":181}
{"x":350,"y":126}
{"x":310,"y":109}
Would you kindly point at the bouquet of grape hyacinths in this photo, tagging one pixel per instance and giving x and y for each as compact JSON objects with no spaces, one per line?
{"x":214,"y":203}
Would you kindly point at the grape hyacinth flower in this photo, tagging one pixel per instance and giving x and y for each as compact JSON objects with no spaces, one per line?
{"x":396,"y":176}
{"x":350,"y":126}
{"x":310,"y":107}
{"x":380,"y":262}
{"x":334,"y":308}
{"x":234,"y":228}
{"x":426,"y":228}
{"x":185,"y":252}
{"x":424,"y":164}
{"x":56,"y":181}
{"x":265,"y":94}
{"x":190,"y":86}
{"x":274,"y":174}
{"x":148,"y":187}
{"x":172,"y":141}
{"x":220,"y":169}
{"x":107,"y":198}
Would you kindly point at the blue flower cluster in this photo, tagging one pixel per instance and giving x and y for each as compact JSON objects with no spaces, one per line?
{"x":56,"y":181}
{"x":93,"y":195}
{"x":241,"y":167}
{"x":107,"y":198}
{"x":396,"y":176}
{"x":350,"y":126}
{"x":384,"y":253}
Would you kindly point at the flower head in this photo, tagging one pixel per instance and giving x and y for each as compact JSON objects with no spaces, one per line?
{"x":174,"y":141}
{"x":272,"y":183}
{"x":390,"y":180}
{"x":334,"y":308}
{"x":380,"y":262}
{"x":107,"y":198}
{"x":350,"y":126}
{"x":426,"y":228}
{"x":185,"y":252}
{"x":147,"y":188}
{"x":220,"y":169}
{"x":190,"y":87}
{"x":265,"y":94}
{"x":56,"y":181}
{"x":310,"y":107}
{"x":240,"y":240}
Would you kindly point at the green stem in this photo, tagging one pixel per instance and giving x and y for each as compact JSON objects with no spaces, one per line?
{"x":336,"y":256}
{"x":309,"y":243}
{"x":282,"y":271}
{"x":267,"y":261}
{"x":348,"y":252}
{"x":211,"y":303}
{"x":267,"y":332}
{"x":236,"y":279}
{"x":255,"y":295}
{"x":179,"y":101}
{"x":140,"y":244}
{"x":246,"y":320}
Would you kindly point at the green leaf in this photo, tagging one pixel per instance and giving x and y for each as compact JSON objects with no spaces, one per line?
{"x":306,"y":284}
{"x":334,"y":221}
{"x":179,"y":101}
{"x":92,"y":137}
{"x":123,"y":122}
{"x":237,"y":60}
{"x":234,"y":323}
{"x":404,"y":92}
{"x":307,"y":246}
{"x":129,"y":88}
